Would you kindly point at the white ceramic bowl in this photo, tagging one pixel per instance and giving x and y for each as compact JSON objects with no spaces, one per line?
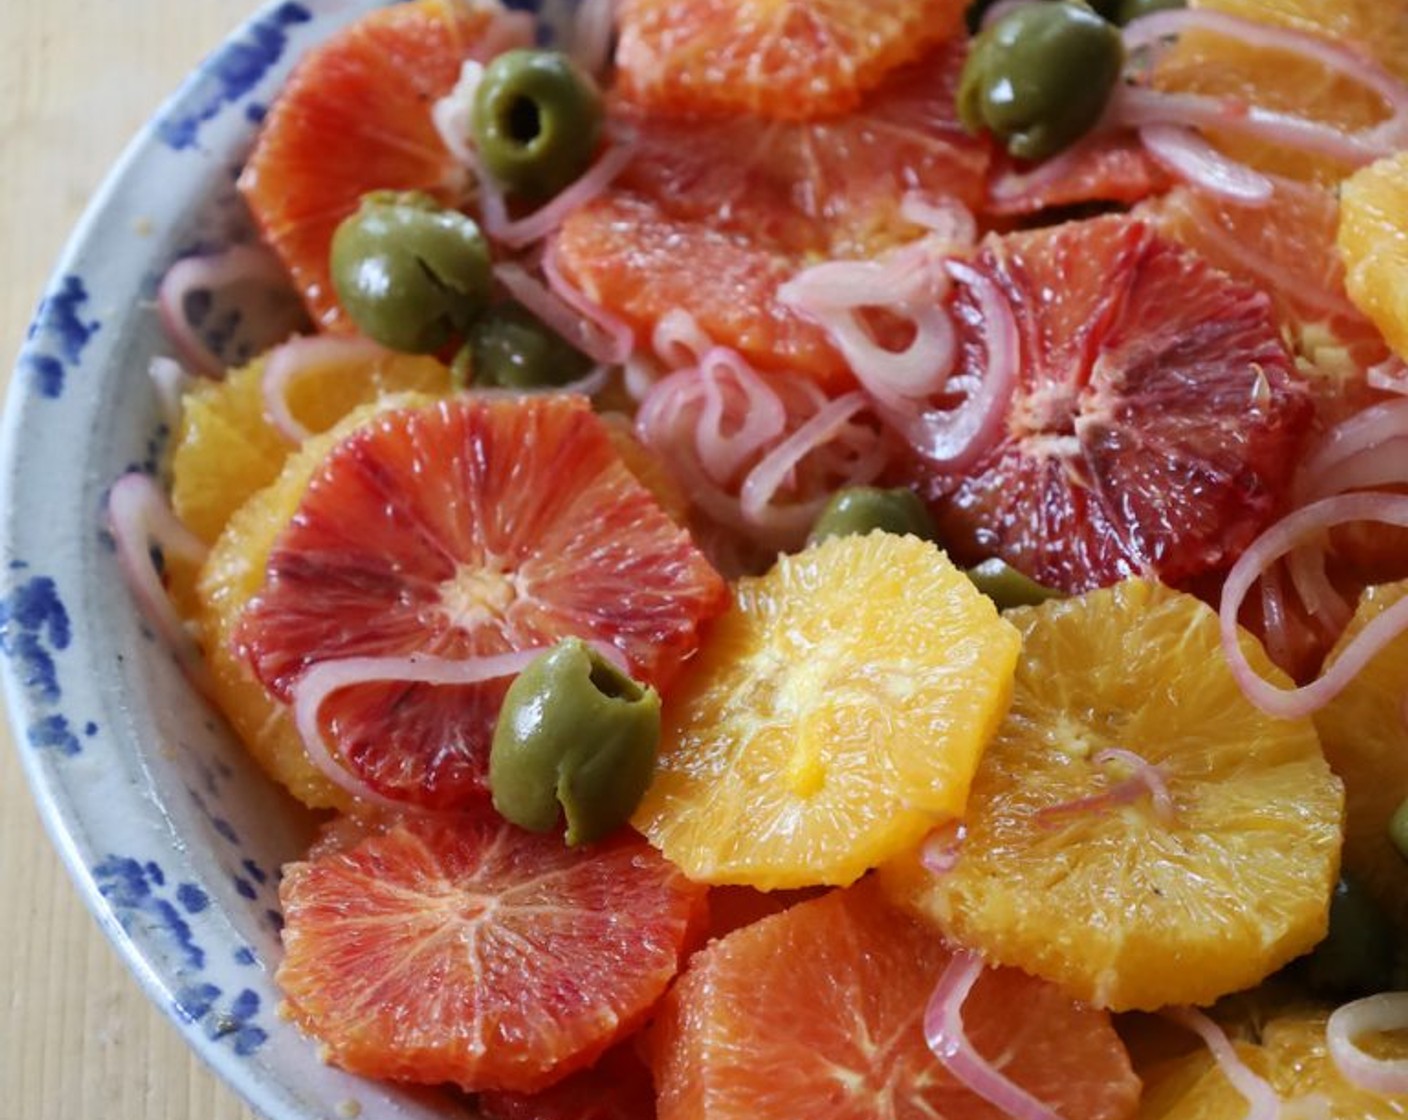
{"x":173,"y":834}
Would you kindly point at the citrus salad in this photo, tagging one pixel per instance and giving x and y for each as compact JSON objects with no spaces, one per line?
{"x":821,"y":559}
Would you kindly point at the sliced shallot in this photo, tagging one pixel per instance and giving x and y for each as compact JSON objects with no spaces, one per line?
{"x":1146,"y":778}
{"x":1277,"y":541}
{"x":944,"y":1032}
{"x":139,"y":518}
{"x":239,"y":265}
{"x":582,"y":332}
{"x":1387,"y":1011}
{"x":286,"y":363}
{"x":323,"y":679}
{"x":1263,"y":1102}
{"x":170,"y":380}
{"x":1185,"y":153}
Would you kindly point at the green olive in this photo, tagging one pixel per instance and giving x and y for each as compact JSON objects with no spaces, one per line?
{"x":1039,"y":78}
{"x":513,"y":349}
{"x":1358,"y":955}
{"x":864,"y":509}
{"x":1007,"y":587}
{"x":410,"y":273}
{"x":1130,"y":10}
{"x":536,"y":121}
{"x":576,"y":732}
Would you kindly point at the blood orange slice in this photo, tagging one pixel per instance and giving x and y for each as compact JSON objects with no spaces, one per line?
{"x":1111,"y":169}
{"x":714,"y":216}
{"x":462,"y":950}
{"x":355,"y":116}
{"x":618,"y":1087}
{"x":469,"y":528}
{"x":784,"y":59}
{"x":818,"y":1012}
{"x":1155,"y":413}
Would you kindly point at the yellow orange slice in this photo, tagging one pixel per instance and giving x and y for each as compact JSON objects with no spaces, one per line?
{"x":1373,"y":240}
{"x":226,"y":448}
{"x":835,"y":713}
{"x":1366,"y":742}
{"x":1126,"y":903}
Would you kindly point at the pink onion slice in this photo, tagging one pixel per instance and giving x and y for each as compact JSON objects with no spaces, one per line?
{"x":945,"y":218}
{"x":323,"y":679}
{"x":170,"y":380}
{"x":451,"y":114}
{"x":944,"y":1032}
{"x":236,"y":266}
{"x":1185,"y":153}
{"x":1390,"y":375}
{"x":1262,"y":1100}
{"x":1146,"y":778}
{"x":593,"y":28}
{"x":1277,"y":541}
{"x":586,"y":335}
{"x":619,"y":338}
{"x":760,"y":487}
{"x":955,"y":440}
{"x":138,"y":518}
{"x":678,"y":340}
{"x":517,"y":233}
{"x":285,"y":364}
{"x":942,"y":848}
{"x":1157,"y":28}
{"x":1387,"y":1011}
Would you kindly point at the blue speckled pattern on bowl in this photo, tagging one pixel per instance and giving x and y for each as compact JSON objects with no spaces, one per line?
{"x":173,"y":835}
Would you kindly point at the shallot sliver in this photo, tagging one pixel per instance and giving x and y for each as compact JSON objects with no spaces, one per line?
{"x":517,"y":233}
{"x":581,"y":332}
{"x":947,"y":1039}
{"x":1364,"y":430}
{"x":170,"y":380}
{"x":286,"y":363}
{"x":942,"y":848}
{"x":322,"y":680}
{"x":1185,"y":153}
{"x":1146,"y":778}
{"x":238,"y":264}
{"x":678,"y":340}
{"x":763,"y":481}
{"x":612,"y":327}
{"x":592,"y":29}
{"x":1263,"y":1103}
{"x":1387,"y":1011}
{"x":955,"y":440}
{"x":946,"y":219}
{"x":139,"y":517}
{"x":1277,"y":541}
{"x":1158,"y":27}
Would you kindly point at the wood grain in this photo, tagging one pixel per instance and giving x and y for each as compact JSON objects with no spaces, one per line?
{"x":78,"y":1040}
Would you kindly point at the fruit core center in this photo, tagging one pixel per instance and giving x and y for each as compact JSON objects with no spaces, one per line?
{"x":1050,"y":411}
{"x":473,"y":596}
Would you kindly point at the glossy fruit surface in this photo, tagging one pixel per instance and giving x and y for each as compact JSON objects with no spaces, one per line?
{"x":461,"y":949}
{"x":1373,"y":240}
{"x":467,"y":529}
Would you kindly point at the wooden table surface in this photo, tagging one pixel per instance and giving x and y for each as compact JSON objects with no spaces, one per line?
{"x":78,"y":1040}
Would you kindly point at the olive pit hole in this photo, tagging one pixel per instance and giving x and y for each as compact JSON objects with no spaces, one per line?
{"x":524,"y":120}
{"x":612,"y":683}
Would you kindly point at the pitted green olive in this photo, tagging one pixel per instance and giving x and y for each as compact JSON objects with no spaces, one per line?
{"x":1039,"y":78}
{"x":1007,"y":587}
{"x":864,"y":509}
{"x":576,"y":737}
{"x":1357,"y":957}
{"x":410,"y":273}
{"x":513,"y":349}
{"x":536,"y":121}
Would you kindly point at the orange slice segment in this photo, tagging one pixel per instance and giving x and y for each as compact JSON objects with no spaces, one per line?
{"x":1373,"y":239}
{"x":836,"y":711}
{"x":1101,"y":899}
{"x":784,"y":59}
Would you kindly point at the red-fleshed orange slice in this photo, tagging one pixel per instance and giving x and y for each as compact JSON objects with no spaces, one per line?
{"x":468,"y":528}
{"x":780,"y":59}
{"x":461,"y":949}
{"x":818,"y":1012}
{"x":1155,"y":413}
{"x":355,"y":116}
